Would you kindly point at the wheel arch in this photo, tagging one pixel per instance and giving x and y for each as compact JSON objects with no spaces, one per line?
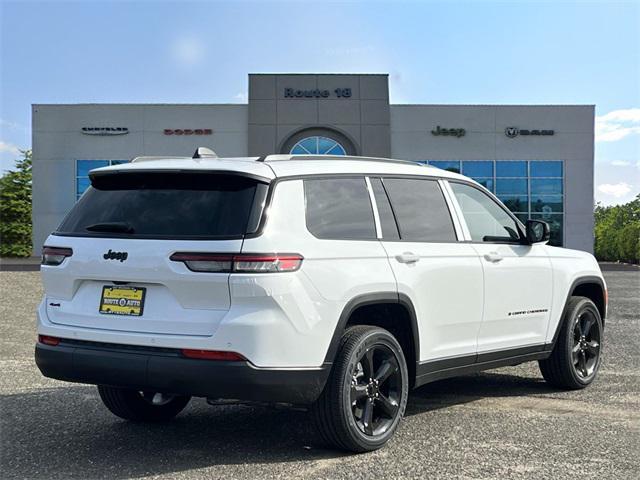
{"x":591,"y":287}
{"x":410,"y":341}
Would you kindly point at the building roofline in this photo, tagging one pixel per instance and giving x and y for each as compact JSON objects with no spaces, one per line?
{"x":120,"y":104}
{"x":492,"y":104}
{"x":316,"y":74}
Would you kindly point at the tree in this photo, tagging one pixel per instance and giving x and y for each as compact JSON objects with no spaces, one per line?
{"x":15,"y":209}
{"x":617,"y":232}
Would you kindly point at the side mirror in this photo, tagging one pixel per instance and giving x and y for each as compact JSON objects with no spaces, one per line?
{"x":537,"y":231}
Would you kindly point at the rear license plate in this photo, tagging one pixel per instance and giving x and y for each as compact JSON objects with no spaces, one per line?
{"x":117,"y":300}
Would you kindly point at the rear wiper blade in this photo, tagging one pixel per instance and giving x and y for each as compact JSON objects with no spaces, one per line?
{"x":119,"y":227}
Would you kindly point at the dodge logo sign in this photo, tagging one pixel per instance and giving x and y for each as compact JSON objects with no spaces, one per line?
{"x":513,"y":132}
{"x":188,"y":131}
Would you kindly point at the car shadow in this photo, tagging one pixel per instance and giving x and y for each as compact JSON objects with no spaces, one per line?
{"x":469,"y":388}
{"x":66,"y":432}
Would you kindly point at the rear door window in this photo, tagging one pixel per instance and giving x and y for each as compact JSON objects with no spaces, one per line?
{"x":420,"y":210}
{"x":167,"y":205}
{"x":339,"y":208}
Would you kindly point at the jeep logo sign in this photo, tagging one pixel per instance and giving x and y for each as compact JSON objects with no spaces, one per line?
{"x":452,"y":132}
{"x":513,"y":132}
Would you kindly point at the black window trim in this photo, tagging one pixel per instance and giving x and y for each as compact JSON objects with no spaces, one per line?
{"x":496,"y":200}
{"x":256,"y":203}
{"x":393,"y":212}
{"x":273,"y":184}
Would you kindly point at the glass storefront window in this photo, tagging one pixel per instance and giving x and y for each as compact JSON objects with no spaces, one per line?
{"x":530,"y":189}
{"x":546,"y":203}
{"x":82,"y":172}
{"x":545,"y":169}
{"x":546,"y":186}
{"x":446,"y":165}
{"x":477,"y":169}
{"x":509,"y":168}
{"x":511,"y":186}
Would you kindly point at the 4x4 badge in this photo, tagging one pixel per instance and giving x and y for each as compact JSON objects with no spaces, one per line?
{"x":111,"y":255}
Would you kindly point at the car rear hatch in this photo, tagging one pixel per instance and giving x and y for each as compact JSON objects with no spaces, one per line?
{"x":116,"y":271}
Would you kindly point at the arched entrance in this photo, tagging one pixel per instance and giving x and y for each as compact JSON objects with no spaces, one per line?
{"x":318,"y":141}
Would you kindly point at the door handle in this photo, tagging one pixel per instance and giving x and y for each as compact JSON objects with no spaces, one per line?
{"x":493,"y":257}
{"x":407,"y":257}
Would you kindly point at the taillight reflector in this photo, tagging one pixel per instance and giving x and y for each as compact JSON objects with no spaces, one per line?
{"x":213,"y":355}
{"x":47,"y":340}
{"x":241,"y":263}
{"x":54,"y":256}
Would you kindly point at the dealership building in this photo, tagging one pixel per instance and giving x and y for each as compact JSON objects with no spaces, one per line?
{"x":539,"y":159}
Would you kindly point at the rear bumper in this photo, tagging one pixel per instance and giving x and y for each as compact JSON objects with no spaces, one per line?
{"x":166,"y":370}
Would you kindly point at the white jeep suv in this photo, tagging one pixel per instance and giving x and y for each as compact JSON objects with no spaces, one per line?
{"x":337,"y":283}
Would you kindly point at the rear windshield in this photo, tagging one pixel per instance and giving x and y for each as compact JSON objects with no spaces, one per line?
{"x":167,"y":205}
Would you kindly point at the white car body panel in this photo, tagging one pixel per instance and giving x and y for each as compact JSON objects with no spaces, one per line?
{"x":287,"y":320}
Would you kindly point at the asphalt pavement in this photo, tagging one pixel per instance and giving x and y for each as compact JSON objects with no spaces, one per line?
{"x":505,"y":423}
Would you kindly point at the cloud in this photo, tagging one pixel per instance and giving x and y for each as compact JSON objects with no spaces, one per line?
{"x":242,"y":97}
{"x":615,"y":189}
{"x":12,"y":125}
{"x":187,"y":51}
{"x":617,"y":125}
{"x":620,"y":163}
{"x":9,"y":148}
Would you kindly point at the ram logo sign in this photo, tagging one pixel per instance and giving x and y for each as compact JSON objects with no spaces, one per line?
{"x":513,"y":132}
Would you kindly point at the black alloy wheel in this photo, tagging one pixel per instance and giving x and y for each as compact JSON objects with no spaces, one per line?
{"x":577,"y":352}
{"x":366,"y":393}
{"x":376,"y":387}
{"x":586,"y":344}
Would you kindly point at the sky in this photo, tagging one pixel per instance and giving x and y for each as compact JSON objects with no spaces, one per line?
{"x":515,"y":52}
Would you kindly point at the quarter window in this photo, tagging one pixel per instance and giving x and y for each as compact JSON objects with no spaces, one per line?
{"x":339,"y":208}
{"x":420,"y":210}
{"x":486,"y":220}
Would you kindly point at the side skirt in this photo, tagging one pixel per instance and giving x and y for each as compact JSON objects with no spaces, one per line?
{"x":430,"y":371}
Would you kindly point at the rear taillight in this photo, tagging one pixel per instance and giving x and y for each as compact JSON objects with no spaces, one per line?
{"x":204,"y":262}
{"x":213,"y":355}
{"x":53,"y":256}
{"x":241,"y":263}
{"x":47,"y":340}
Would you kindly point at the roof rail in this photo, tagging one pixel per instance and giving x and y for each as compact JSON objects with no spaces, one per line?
{"x":279,"y":158}
{"x":158,"y":157}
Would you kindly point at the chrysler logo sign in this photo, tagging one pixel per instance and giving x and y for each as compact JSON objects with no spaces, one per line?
{"x":105,"y":130}
{"x":513,"y":132}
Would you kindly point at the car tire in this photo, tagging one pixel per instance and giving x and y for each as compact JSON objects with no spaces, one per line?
{"x":366,"y":393}
{"x":141,"y":406}
{"x":575,"y":359}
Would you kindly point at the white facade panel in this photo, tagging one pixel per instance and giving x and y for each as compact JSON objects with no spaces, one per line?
{"x":58,"y":143}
